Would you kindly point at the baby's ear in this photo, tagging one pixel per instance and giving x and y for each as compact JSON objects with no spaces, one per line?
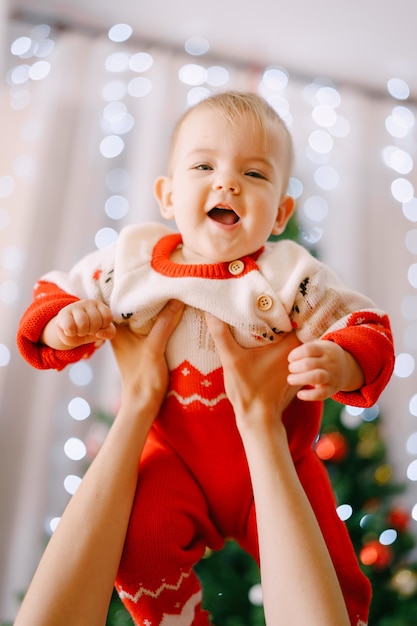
{"x":285,"y":210}
{"x":163,"y":193}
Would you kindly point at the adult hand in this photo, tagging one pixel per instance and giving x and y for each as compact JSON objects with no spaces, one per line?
{"x":254,"y":378}
{"x":141,"y":359}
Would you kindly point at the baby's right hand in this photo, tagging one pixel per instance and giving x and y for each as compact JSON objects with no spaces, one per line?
{"x":79,"y":323}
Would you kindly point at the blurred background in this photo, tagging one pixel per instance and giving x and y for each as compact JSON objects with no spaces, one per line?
{"x":89,"y":93}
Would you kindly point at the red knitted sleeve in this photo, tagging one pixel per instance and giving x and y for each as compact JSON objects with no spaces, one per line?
{"x":368,"y":338}
{"x":47,"y":302}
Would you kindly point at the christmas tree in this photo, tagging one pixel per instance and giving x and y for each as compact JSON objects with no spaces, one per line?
{"x":352,"y":448}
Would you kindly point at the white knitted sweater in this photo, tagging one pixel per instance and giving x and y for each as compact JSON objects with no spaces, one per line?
{"x":274,"y":291}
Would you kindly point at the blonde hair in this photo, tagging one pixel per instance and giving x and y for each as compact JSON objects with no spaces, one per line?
{"x":234,"y":105}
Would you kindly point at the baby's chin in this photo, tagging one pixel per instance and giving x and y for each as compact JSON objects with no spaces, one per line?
{"x":187,"y":256}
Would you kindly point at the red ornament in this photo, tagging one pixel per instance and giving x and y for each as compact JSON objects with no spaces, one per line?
{"x":399,"y":519}
{"x":372,"y":505}
{"x":376,"y":555}
{"x":331,"y":447}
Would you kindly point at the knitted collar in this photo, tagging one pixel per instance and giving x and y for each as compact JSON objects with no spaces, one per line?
{"x":161,"y":262}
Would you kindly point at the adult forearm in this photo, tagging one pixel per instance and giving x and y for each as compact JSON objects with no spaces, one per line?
{"x":298,"y":579}
{"x":73,"y":583}
{"x":81,"y":560}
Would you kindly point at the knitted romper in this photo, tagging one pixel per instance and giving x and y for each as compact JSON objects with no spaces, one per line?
{"x":194,"y":487}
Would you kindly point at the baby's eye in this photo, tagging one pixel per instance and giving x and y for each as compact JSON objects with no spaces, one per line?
{"x":255,"y":174}
{"x":203,"y":166}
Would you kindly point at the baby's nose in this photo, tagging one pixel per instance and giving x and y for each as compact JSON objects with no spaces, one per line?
{"x":228,"y":182}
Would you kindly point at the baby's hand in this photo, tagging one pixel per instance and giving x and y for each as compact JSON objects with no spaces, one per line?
{"x":323,"y":368}
{"x":79,"y":323}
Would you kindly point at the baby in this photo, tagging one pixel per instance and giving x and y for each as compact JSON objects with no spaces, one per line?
{"x":226,"y":189}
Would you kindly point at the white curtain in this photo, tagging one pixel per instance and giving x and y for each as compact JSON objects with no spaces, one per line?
{"x":57,"y":181}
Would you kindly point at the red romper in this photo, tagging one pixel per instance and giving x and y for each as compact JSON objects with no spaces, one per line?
{"x":194,"y":487}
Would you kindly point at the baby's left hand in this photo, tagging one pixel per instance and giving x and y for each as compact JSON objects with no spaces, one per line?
{"x":322,"y":368}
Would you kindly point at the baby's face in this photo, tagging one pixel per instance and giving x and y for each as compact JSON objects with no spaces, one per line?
{"x":226,"y":190}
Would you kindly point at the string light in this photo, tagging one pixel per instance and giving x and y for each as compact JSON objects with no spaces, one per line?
{"x":81,"y":374}
{"x":398,"y":156}
{"x":398,"y":88}
{"x":4,"y":355}
{"x":197,"y":46}
{"x":344,"y":511}
{"x":79,"y":409}
{"x":192,"y":74}
{"x":120,"y":32}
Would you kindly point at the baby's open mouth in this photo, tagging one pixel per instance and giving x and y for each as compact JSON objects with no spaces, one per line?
{"x":223,"y":215}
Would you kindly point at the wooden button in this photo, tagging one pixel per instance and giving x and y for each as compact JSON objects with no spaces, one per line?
{"x":236,"y":267}
{"x":264,"y":302}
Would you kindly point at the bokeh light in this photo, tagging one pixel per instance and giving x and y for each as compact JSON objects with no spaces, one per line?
{"x":79,"y":409}
{"x":197,"y":46}
{"x":120,"y":32}
{"x":398,"y":88}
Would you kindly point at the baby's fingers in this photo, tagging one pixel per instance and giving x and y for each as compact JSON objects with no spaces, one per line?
{"x":310,"y":350}
{"x":308,"y":376}
{"x":85,"y":318}
{"x":106,"y":334}
{"x":86,"y":322}
{"x":311,"y":394}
